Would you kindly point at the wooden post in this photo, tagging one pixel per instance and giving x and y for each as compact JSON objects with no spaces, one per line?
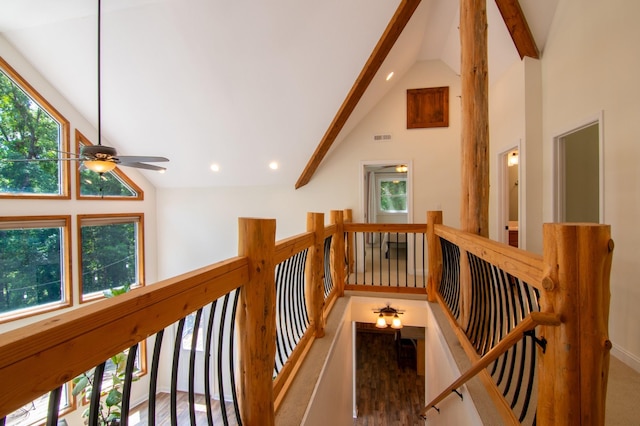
{"x":474,"y":206}
{"x":348,"y":218}
{"x":257,"y":321}
{"x":337,"y":252}
{"x":574,"y":368}
{"x":434,"y":255}
{"x":314,"y":274}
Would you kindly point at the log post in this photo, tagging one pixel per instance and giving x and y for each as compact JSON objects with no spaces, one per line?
{"x":574,"y":368}
{"x":337,"y":252}
{"x":348,"y":218}
{"x":434,"y":255}
{"x":314,"y":274}
{"x":474,"y":206}
{"x":257,"y":321}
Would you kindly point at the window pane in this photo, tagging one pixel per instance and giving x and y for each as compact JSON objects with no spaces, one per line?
{"x":109,"y":256}
{"x":105,"y":185}
{"x":27,"y":131}
{"x":31,"y":267}
{"x":393,"y":195}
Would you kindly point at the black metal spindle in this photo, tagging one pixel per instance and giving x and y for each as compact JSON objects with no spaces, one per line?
{"x":279,"y":317}
{"x":223,"y":318}
{"x":54,"y":406}
{"x":232,"y":375}
{"x":328,"y":279}
{"x":207,"y":361}
{"x":94,"y":403}
{"x":153,"y":381}
{"x":173,"y":406}
{"x":192,"y":367}
{"x":372,"y":260}
{"x":126,"y":387}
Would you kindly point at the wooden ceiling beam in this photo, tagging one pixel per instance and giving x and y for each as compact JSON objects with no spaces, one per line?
{"x":518,"y":28}
{"x":392,"y":32}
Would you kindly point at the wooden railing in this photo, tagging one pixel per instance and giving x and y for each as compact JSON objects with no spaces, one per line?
{"x":571,"y":278}
{"x":492,"y":293}
{"x":386,"y":257}
{"x":43,"y":356}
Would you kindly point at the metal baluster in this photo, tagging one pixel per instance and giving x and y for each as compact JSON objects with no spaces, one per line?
{"x":126,"y":388}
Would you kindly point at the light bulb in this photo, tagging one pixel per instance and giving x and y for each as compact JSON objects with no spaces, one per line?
{"x":396,"y":323}
{"x":100,"y":166}
{"x":381,"y":323}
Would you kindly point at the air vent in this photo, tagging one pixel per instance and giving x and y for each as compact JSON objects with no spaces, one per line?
{"x":382,"y":138}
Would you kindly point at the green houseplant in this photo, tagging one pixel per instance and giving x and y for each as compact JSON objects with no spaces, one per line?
{"x":109,"y":413}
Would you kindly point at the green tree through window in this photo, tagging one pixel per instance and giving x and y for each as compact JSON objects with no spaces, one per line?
{"x":393,"y":195}
{"x":31,"y":267}
{"x":27,"y":132}
{"x":109,"y":255}
{"x":114,"y":184}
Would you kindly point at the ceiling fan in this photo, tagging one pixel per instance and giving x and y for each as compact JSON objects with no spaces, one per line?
{"x":101,"y":158}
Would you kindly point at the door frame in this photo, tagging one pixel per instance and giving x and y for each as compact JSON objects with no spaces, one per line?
{"x":558,"y":161}
{"x":388,"y":163}
{"x":503,"y":193}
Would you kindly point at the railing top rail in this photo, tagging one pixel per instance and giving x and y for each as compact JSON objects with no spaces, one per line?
{"x":386,"y":227}
{"x":530,"y":322}
{"x":290,"y":246}
{"x":520,"y":263}
{"x":330,"y":230}
{"x":30,"y":356}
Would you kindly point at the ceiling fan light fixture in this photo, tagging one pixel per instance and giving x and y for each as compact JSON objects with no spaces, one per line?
{"x":99,"y":166}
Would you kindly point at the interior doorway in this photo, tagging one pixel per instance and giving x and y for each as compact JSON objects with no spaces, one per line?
{"x":386,"y":197}
{"x":509,"y":196}
{"x":578,"y":174}
{"x":377,"y":179}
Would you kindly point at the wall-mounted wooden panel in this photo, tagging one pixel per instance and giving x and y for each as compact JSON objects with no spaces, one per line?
{"x":428,"y":107}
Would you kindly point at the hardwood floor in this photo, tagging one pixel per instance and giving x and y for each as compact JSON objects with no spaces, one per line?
{"x":389,"y":392}
{"x":388,"y":389}
{"x":139,"y":415}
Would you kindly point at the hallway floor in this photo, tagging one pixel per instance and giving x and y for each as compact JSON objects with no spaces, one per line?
{"x":388,"y":389}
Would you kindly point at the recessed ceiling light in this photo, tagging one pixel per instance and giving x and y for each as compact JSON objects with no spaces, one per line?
{"x":215,"y":167}
{"x":273,"y":165}
{"x":389,"y":76}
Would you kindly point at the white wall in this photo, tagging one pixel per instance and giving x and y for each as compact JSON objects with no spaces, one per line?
{"x":332,"y":399}
{"x":199,"y":225}
{"x":515,"y":121}
{"x":440,"y":371}
{"x":591,"y":65}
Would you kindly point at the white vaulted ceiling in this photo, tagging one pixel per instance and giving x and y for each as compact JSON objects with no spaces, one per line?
{"x":240,"y":83}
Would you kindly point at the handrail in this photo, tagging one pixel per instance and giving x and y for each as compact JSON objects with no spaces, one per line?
{"x":289,"y":246}
{"x":530,"y":322}
{"x":520,"y":263}
{"x":37,"y":348}
{"x":385,"y":227}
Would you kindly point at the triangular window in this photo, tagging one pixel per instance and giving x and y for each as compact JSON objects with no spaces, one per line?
{"x":113,"y":185}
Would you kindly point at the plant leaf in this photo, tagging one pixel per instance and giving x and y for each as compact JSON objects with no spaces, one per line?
{"x":113,"y":398}
{"x":80,"y":385}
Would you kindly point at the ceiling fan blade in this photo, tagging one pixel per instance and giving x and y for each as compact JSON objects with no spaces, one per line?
{"x":28,"y":160}
{"x":143,"y":166}
{"x":124,"y":159}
